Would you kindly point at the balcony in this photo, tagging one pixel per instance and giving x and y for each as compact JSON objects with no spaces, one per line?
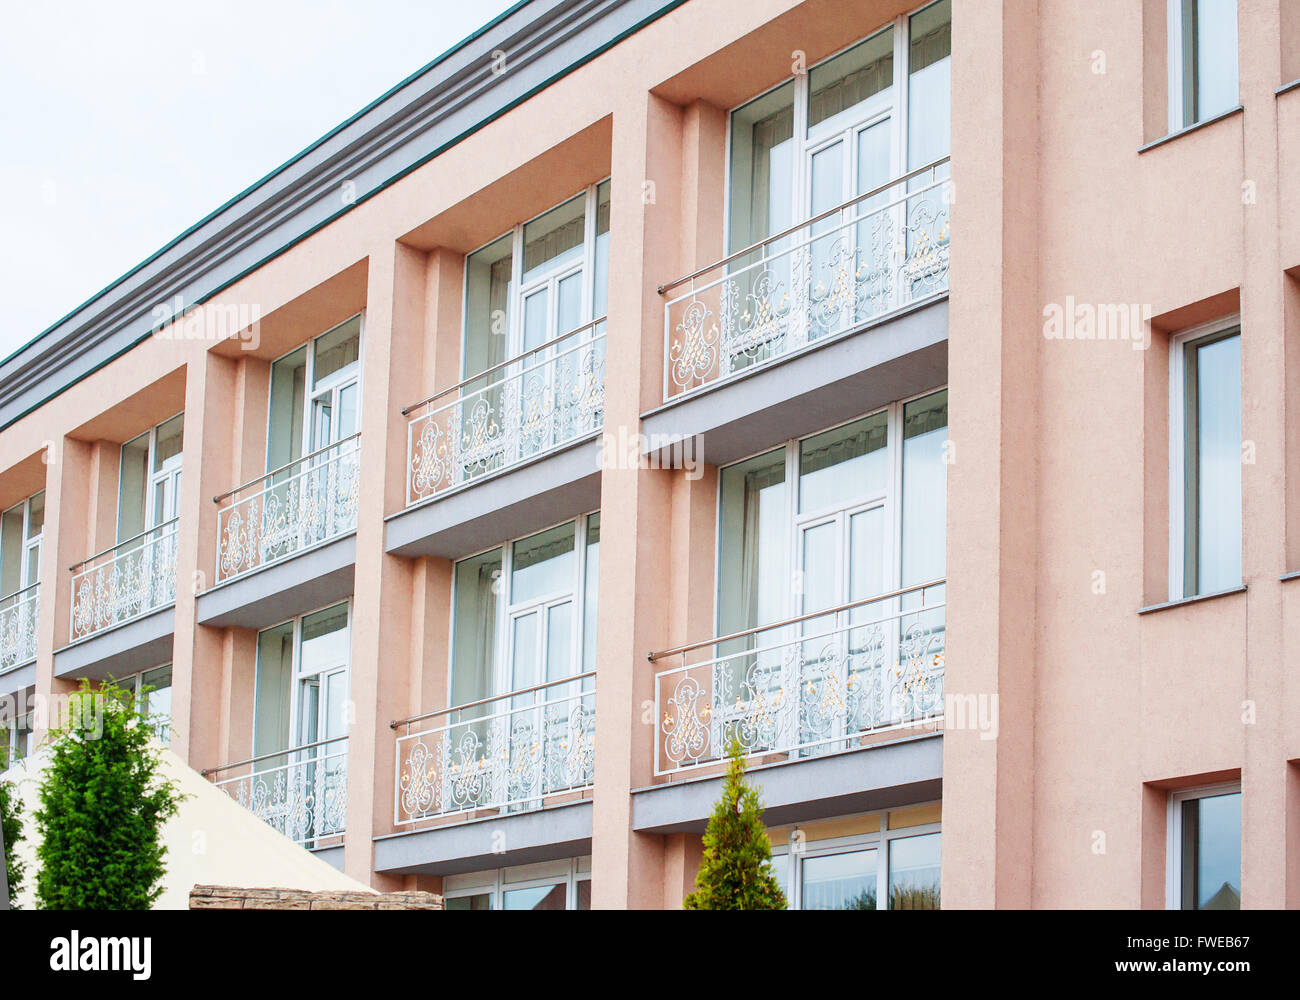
{"x":296,"y":507}
{"x":300,"y":792}
{"x":823,"y":683}
{"x":125,"y":582}
{"x":18,"y":614}
{"x":509,"y":753}
{"x":857,"y":264}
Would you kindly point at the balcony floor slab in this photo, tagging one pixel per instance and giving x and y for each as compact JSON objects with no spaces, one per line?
{"x":819,"y":386}
{"x":290,"y":586}
{"x":884,"y":776}
{"x":123,"y":649}
{"x":562,"y":831}
{"x":18,"y":678}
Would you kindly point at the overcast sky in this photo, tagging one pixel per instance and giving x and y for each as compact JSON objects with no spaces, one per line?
{"x":121,"y":125}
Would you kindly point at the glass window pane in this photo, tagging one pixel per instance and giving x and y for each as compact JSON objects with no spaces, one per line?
{"x":591,"y":593}
{"x":914,"y":873}
{"x":925,"y":433}
{"x":271,"y":689}
{"x":325,"y":639}
{"x":844,"y":464}
{"x":168,"y":441}
{"x":1209,"y":43}
{"x":288,"y":395}
{"x":584,"y":894}
{"x":347,"y":418}
{"x":523,"y":651}
{"x":840,"y":881}
{"x":569,"y":305}
{"x":753,"y":540}
{"x":851,"y":77}
{"x":11,"y":550}
{"x":474,"y":629}
{"x":36,"y":514}
{"x":1211,"y":853}
{"x":132,"y":485}
{"x":762,"y":167}
{"x":929,"y":102}
{"x":158,"y":702}
{"x":542,"y":564}
{"x":487,"y":305}
{"x":535,"y":317}
{"x":559,"y":642}
{"x":600,"y":278}
{"x":480,"y":901}
{"x":819,"y":583}
{"x":556,"y":238}
{"x":542,"y":897}
{"x":336,"y":350}
{"x":1212,"y":465}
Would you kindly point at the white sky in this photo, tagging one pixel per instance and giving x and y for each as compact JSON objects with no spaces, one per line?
{"x":123,"y":124}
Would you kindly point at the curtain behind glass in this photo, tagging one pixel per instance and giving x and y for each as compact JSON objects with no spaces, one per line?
{"x":11,"y":550}
{"x":272,"y":692}
{"x":474,"y":629}
{"x":762,"y":167}
{"x":288,"y":392}
{"x":133,"y":479}
{"x":752,"y":577}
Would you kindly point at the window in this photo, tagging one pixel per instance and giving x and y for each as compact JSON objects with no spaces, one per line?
{"x":839,"y":516}
{"x":544,"y":279}
{"x":895,"y":869}
{"x":847,"y":126}
{"x":1205,"y":849}
{"x":21,"y":528}
{"x":149,"y":480}
{"x":1202,"y":60}
{"x":16,"y":740}
{"x":524,"y":613}
{"x":550,"y":885}
{"x":1205,"y":461}
{"x":301,"y":688}
{"x":315,"y":395}
{"x":154,"y":688}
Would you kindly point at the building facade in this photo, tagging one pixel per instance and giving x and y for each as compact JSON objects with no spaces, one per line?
{"x":896,"y":390}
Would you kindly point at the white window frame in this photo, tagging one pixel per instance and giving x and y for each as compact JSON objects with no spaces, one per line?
{"x":1174,"y":838}
{"x":846,"y":124}
{"x":297,"y":674}
{"x":507,"y":609}
{"x":548,"y":275}
{"x":1178,"y":444}
{"x":496,"y":882}
{"x":26,"y":546}
{"x":331,"y":385}
{"x":792,"y":854}
{"x":170,"y":472}
{"x":1174,"y":57}
{"x":798,"y":520}
{"x":136,"y":679}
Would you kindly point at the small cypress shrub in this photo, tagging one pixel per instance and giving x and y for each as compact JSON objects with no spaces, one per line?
{"x":103,"y":804}
{"x":11,"y":829}
{"x":737,"y":869}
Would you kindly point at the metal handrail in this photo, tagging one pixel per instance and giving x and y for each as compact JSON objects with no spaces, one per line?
{"x":765,"y":241}
{"x":504,"y":364}
{"x":126,"y":541}
{"x":30,"y":586}
{"x":922,"y":587}
{"x":488,"y":701}
{"x":268,"y":756}
{"x":288,"y":465}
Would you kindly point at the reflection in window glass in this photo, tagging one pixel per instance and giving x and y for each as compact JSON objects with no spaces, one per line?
{"x":752,"y":543}
{"x":1211,"y":852}
{"x":542,"y":897}
{"x":479,"y":901}
{"x":542,"y":564}
{"x":556,"y":238}
{"x":840,"y":881}
{"x":914,"y":873}
{"x":336,"y":349}
{"x":762,"y":167}
{"x":1207,"y":47}
{"x":929,"y":103}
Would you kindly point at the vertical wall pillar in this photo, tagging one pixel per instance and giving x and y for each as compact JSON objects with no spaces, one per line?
{"x":995,"y":328}
{"x":381,"y":608}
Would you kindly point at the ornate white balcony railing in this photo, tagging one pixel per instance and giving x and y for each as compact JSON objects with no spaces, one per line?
{"x":129,"y":580}
{"x":811,"y":685}
{"x":305,"y":503}
{"x":507,"y":752}
{"x":855,"y":264}
{"x":544,"y":399}
{"x":301,"y":792}
{"x":18,"y":614}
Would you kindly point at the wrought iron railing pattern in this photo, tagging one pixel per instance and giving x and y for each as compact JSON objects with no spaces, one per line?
{"x":816,"y":685}
{"x":305,"y":503}
{"x":129,"y":580}
{"x":18,"y":614}
{"x":507,"y":752}
{"x":543,"y":400}
{"x":853,"y":265}
{"x":301,"y":792}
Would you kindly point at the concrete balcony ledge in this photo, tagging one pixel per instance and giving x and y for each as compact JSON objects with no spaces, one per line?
{"x":562,"y":831}
{"x":825,"y":383}
{"x":290,"y":586}
{"x":516,"y":501}
{"x":883,"y":776}
{"x":138,"y":644}
{"x":18,"y":678}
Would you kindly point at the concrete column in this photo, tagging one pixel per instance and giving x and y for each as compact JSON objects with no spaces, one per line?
{"x":995,"y":329}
